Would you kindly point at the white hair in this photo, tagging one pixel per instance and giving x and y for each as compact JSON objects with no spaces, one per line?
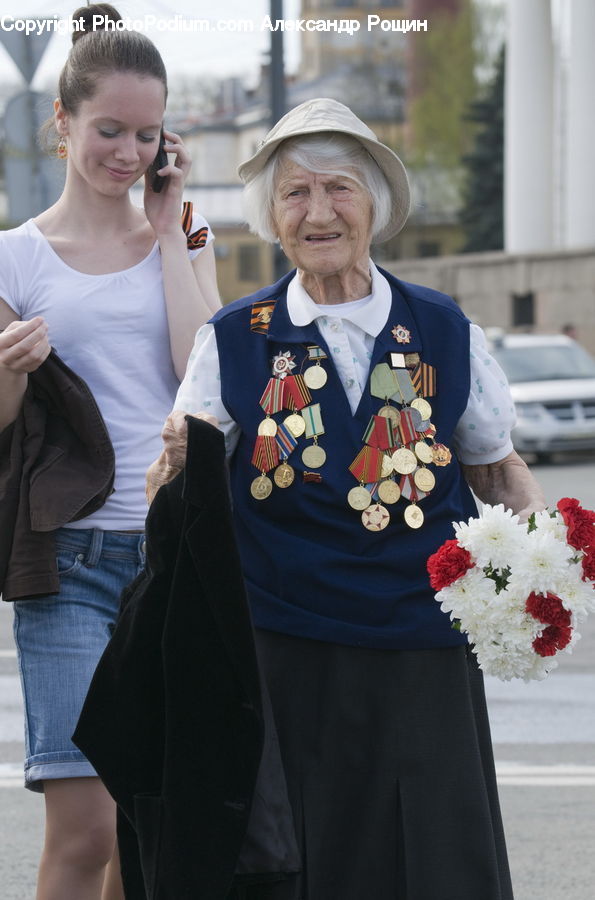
{"x":322,"y":153}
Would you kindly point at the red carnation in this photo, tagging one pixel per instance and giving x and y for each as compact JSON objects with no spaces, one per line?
{"x":580,"y":523}
{"x":554,"y":638}
{"x":548,"y":609}
{"x":448,"y":563}
{"x":588,"y":564}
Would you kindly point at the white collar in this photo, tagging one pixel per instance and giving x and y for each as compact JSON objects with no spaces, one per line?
{"x":370,"y":317}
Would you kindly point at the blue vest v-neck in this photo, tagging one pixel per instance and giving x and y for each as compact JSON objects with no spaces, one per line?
{"x":311,"y":568}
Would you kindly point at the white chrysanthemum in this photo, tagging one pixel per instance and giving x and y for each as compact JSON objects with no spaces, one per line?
{"x":540,"y":565}
{"x":548,"y":524}
{"x":510,"y":656}
{"x":577,"y":595}
{"x":491,"y":538}
{"x":466,"y":596}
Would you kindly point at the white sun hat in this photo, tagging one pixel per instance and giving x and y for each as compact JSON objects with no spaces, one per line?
{"x":323,"y":114}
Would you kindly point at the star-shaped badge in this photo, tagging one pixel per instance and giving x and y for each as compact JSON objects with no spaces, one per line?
{"x":401,"y":334}
{"x":283,"y":363}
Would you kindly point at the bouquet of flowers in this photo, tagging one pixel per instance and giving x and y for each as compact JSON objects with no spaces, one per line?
{"x":518,"y":590}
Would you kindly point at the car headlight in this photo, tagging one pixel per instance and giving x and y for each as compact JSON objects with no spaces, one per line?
{"x":529,"y":410}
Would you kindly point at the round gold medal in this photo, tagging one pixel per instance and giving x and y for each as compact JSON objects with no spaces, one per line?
{"x":442,"y":455}
{"x":404,"y":461}
{"x":389,"y":412}
{"x":375,"y":517}
{"x":389,"y":491}
{"x":414,"y":516}
{"x":315,"y":377}
{"x":283,"y":475}
{"x":314,"y":456}
{"x":296,"y":424}
{"x":268,"y":427}
{"x":423,"y":452}
{"x":387,"y":466}
{"x":359,"y":497}
{"x":423,"y":407}
{"x":261,"y":487}
{"x":424,"y":479}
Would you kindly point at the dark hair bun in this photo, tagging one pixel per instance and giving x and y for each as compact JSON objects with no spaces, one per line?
{"x":87,"y":13}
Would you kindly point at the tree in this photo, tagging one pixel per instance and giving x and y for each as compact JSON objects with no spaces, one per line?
{"x":482,"y":214}
{"x":442,"y":83}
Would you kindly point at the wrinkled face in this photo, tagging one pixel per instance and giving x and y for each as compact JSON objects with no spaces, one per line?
{"x":323,"y":221}
{"x":114,"y":136}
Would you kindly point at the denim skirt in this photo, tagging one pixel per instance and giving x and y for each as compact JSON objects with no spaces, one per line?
{"x":390,"y":772}
{"x":59,"y":640}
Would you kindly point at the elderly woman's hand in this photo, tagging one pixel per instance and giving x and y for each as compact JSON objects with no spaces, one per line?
{"x":173,"y":456}
{"x":507,"y":481}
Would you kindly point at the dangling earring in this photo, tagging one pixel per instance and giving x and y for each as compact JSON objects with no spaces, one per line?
{"x":62,"y":149}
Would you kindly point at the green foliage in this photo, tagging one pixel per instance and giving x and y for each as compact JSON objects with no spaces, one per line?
{"x":444,"y":86}
{"x":482,"y":214}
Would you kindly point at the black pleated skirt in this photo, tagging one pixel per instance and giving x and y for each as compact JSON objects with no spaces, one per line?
{"x":390,"y":773}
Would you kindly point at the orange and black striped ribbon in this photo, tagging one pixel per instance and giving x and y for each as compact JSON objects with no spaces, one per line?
{"x":424,"y":380}
{"x":266,"y":453}
{"x":196,"y":239}
{"x":260,"y":316}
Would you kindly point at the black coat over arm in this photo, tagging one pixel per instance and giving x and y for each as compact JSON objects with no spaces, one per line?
{"x":173,"y":720}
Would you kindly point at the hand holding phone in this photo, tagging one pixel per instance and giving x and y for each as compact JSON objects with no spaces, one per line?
{"x":161,"y":160}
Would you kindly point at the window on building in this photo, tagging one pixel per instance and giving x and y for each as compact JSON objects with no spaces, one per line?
{"x":523,"y":309}
{"x":249,"y":262}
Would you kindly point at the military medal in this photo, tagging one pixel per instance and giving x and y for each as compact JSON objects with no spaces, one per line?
{"x":383,"y":382}
{"x":423,"y":452}
{"x":387,"y":466}
{"x":268,"y":427}
{"x":404,"y":461}
{"x":296,"y":425}
{"x":389,"y":491}
{"x":442,"y":455}
{"x":296,"y":394}
{"x":315,"y":376}
{"x":424,"y":479}
{"x":283,"y":475}
{"x":401,"y":334}
{"x":375,"y":517}
{"x":359,"y":497}
{"x":314,"y":456}
{"x":261,"y":487}
{"x":413,"y":516}
{"x":423,"y":407}
{"x":389,"y":412}
{"x":282,"y":364}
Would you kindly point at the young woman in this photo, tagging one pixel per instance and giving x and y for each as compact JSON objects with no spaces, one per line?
{"x":116,"y":292}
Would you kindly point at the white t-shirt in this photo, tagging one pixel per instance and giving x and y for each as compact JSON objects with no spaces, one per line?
{"x":112,"y":331}
{"x":350,"y":329}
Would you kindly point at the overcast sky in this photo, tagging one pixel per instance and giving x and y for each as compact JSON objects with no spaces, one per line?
{"x":219,"y":53}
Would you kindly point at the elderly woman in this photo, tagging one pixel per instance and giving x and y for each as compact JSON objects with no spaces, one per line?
{"x":357,"y":409}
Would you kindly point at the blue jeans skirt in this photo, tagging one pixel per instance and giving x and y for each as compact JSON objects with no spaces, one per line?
{"x":59,"y":640}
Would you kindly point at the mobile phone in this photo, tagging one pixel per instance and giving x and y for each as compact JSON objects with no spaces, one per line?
{"x":161,"y":160}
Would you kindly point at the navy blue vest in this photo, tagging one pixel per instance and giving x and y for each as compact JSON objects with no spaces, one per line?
{"x":311,"y":567}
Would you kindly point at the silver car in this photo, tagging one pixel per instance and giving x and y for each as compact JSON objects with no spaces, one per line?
{"x":552,"y":380}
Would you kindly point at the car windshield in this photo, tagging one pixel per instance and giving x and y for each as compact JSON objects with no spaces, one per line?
{"x":545,"y":362}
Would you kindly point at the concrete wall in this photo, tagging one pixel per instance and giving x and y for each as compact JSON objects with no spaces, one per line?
{"x":484,"y":284}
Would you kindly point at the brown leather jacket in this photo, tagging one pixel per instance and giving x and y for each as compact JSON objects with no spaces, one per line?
{"x":56,"y":466}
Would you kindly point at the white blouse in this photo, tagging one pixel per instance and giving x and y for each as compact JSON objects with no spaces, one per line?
{"x":350,"y":329}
